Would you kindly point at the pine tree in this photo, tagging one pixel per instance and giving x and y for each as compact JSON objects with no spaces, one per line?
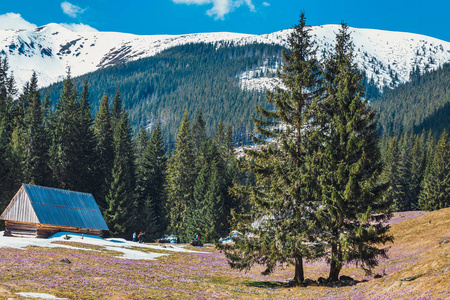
{"x":180,"y":180}
{"x":283,"y":201}
{"x":104,"y":152}
{"x":121,"y":198}
{"x":351,"y":164}
{"x":436,"y":186}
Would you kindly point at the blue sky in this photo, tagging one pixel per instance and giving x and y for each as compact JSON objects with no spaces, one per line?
{"x":430,"y":17}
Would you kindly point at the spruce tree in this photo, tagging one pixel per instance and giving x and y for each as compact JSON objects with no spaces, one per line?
{"x":227,"y":169}
{"x":157,"y":163}
{"x":66,"y":152}
{"x":142,"y":143}
{"x":417,"y":170}
{"x":120,"y":199}
{"x":284,"y":200}
{"x":180,"y":180}
{"x":150,"y":190}
{"x":116,"y":109}
{"x":8,"y":182}
{"x":351,"y":164}
{"x":198,"y":134}
{"x":36,"y":168}
{"x":104,"y":152}
{"x":436,"y":186}
{"x":215,"y":213}
{"x":87,"y":141}
{"x":72,"y":149}
{"x":403,"y":202}
{"x":390,"y":174}
{"x":197,"y":222}
{"x":207,"y":215}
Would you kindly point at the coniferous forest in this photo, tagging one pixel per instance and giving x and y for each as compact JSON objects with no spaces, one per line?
{"x":157,"y":90}
{"x":134,"y":178}
{"x":320,"y":171}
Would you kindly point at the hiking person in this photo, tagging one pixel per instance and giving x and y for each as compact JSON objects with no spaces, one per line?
{"x":134,"y":236}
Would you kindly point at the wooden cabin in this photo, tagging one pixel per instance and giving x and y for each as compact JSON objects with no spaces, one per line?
{"x":37,"y":211}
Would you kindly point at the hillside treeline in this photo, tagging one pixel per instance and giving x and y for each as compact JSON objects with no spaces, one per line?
{"x":137,"y":184}
{"x":417,"y":168}
{"x":421,"y":104}
{"x":158,"y":89}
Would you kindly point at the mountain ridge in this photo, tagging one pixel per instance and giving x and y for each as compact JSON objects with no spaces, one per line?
{"x":387,"y":57}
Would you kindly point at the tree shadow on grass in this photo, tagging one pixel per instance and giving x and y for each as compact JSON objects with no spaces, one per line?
{"x":267,"y":284}
{"x":307,"y":282}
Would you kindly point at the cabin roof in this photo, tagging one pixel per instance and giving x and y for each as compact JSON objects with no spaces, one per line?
{"x":44,"y":205}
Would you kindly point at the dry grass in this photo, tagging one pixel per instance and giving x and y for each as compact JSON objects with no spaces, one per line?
{"x":416,"y":255}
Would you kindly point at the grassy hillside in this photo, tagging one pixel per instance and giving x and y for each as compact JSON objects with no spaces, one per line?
{"x":418,"y":268}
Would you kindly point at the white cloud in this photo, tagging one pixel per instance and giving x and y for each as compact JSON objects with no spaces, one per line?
{"x":79,"y":27}
{"x":220,"y":7}
{"x":266,"y":4}
{"x":71,"y":10}
{"x":15,"y":21}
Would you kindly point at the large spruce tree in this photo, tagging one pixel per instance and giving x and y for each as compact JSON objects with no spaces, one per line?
{"x":87,"y":140}
{"x":351,"y":163}
{"x":280,"y":227}
{"x":104,"y":152}
{"x":66,"y":153}
{"x":8,"y":182}
{"x":120,"y":198}
{"x":180,"y":180}
{"x":72,"y":149}
{"x":36,"y":151}
{"x":150,"y":192}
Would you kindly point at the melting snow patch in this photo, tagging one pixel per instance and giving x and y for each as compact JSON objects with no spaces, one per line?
{"x":129,"y":250}
{"x":39,"y":296}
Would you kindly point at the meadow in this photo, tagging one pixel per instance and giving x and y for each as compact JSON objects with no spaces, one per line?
{"x":418,"y":267}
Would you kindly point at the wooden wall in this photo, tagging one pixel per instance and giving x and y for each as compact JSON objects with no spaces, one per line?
{"x":21,"y":229}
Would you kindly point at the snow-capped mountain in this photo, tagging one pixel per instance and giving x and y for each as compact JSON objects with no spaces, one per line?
{"x":386,"y":57}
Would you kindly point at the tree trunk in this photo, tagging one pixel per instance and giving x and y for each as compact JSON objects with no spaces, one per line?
{"x":299,"y":276}
{"x":336,"y":263}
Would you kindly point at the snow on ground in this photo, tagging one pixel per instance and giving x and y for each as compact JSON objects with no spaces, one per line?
{"x":129,"y":250}
{"x":39,"y":296}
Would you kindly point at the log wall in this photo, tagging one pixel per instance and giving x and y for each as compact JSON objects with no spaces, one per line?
{"x":21,"y":229}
